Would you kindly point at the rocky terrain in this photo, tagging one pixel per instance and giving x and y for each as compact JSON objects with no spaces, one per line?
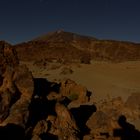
{"x":34,"y":108}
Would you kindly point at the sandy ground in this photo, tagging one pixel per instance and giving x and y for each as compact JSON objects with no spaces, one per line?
{"x":103,"y":79}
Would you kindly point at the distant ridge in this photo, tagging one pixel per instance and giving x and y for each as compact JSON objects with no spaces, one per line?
{"x":72,"y":47}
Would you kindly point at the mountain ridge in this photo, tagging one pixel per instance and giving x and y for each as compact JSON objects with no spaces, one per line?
{"x":67,"y":46}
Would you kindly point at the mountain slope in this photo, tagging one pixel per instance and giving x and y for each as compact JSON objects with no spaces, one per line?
{"x":65,"y":46}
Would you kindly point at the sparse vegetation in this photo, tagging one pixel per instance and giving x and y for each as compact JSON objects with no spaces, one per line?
{"x":73,"y":96}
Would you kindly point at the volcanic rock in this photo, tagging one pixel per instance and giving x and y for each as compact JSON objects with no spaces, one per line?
{"x":63,"y":124}
{"x":40,"y":128}
{"x":66,"y":123}
{"x":74,"y":92}
{"x":103,"y":122}
{"x":16,"y":88}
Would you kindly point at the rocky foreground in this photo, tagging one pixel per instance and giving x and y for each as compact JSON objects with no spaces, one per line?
{"x":37,"y":109}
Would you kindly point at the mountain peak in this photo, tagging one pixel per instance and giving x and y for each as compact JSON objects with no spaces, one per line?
{"x":62,"y":35}
{"x":60,"y":31}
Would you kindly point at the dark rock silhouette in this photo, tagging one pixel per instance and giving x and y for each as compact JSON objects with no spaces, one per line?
{"x":12,"y":132}
{"x":127,"y":130}
{"x":81,"y":115}
{"x":47,"y":136}
{"x":40,"y":106}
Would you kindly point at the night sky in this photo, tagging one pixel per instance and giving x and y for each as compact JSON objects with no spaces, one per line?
{"x":22,"y":20}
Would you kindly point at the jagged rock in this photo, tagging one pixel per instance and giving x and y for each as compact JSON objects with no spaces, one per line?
{"x":74,"y":92}
{"x":63,"y":124}
{"x":7,"y":88}
{"x":53,"y":127}
{"x":16,"y":88}
{"x":36,"y":137}
{"x":67,"y":124}
{"x":8,"y":55}
{"x":40,"y":128}
{"x":23,"y":80}
{"x":4,"y":104}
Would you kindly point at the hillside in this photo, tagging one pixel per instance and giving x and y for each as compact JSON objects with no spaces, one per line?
{"x":70,"y":47}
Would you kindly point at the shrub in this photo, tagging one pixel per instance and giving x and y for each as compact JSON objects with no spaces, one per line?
{"x":73,"y":96}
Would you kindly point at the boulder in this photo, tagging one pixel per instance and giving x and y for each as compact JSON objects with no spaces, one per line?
{"x":63,"y":125}
{"x":133,"y":101}
{"x":77,"y":93}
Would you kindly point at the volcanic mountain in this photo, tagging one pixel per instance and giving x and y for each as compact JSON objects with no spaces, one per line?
{"x":64,"y":46}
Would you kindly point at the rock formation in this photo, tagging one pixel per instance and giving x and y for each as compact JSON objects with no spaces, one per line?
{"x":16,"y":88}
{"x":63,"y":125}
{"x":105,"y":120}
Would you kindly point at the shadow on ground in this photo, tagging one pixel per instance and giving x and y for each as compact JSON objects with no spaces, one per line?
{"x":48,"y":136}
{"x":127,"y":131}
{"x":81,"y":115}
{"x":12,"y":132}
{"x":40,"y":106}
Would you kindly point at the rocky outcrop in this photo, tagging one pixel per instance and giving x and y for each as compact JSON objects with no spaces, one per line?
{"x":94,"y":122}
{"x":105,"y":122}
{"x":63,"y":125}
{"x":16,"y":88}
{"x":8,"y":56}
{"x":40,"y":128}
{"x":76,"y":93}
